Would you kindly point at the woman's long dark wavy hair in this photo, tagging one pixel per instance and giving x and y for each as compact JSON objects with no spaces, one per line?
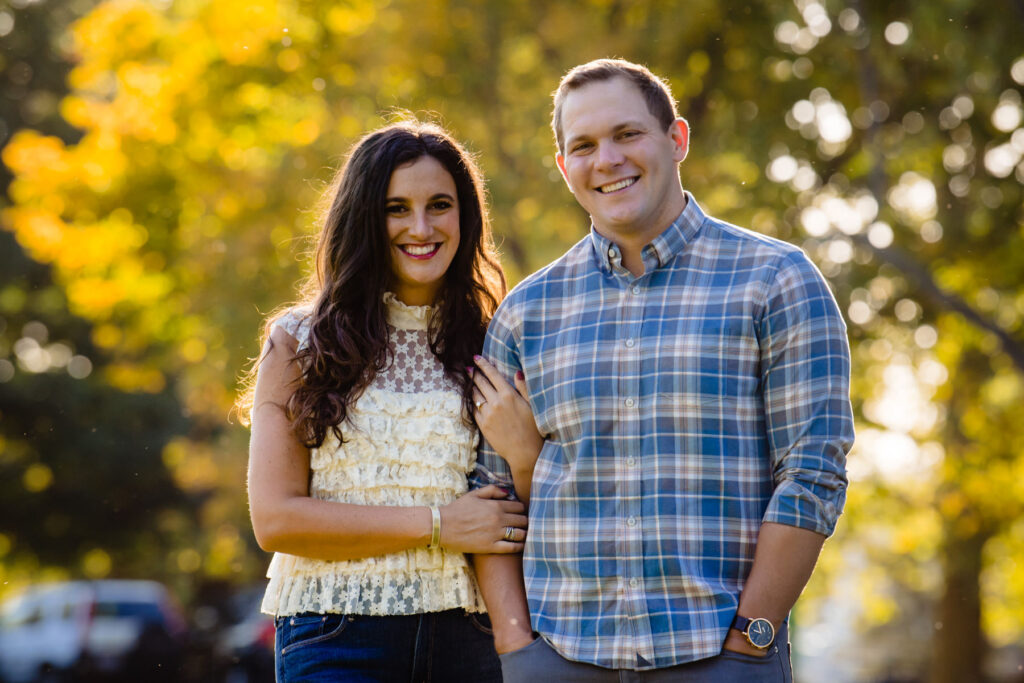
{"x":348,"y":333}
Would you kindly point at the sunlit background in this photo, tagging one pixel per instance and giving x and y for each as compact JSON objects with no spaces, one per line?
{"x":163,"y":162}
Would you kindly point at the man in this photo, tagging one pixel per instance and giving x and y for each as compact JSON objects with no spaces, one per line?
{"x":692,"y":379}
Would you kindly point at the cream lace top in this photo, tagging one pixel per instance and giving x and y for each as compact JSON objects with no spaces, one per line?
{"x":406,"y":444}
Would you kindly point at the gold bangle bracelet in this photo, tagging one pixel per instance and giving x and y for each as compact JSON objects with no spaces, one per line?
{"x":435,"y":530}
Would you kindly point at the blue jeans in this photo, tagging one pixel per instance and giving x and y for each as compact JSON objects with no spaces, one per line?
{"x":538,"y":661}
{"x":437,"y":646}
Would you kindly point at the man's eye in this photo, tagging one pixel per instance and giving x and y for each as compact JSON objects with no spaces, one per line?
{"x":584,"y":147}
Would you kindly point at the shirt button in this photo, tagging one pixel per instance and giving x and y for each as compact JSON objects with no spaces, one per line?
{"x":633,"y":582}
{"x":631,"y":461}
{"x":631,"y":522}
{"x":636,"y":289}
{"x":611,"y":253}
{"x":630,"y":403}
{"x":630,"y":343}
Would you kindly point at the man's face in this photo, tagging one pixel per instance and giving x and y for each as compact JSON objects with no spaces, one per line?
{"x":619,"y":162}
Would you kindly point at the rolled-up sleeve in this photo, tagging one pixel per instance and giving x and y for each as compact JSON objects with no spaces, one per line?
{"x":805,"y":374}
{"x":501,"y":350}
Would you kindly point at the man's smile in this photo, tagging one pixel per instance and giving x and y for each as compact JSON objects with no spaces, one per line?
{"x":617,"y":185}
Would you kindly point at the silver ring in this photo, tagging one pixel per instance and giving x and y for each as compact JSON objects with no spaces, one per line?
{"x":480,"y":403}
{"x":510,"y":532}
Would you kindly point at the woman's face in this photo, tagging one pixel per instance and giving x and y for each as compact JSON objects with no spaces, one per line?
{"x":422,"y":210}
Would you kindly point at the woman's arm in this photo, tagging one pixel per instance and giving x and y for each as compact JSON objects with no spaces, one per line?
{"x":286,"y":519}
{"x":506,"y":421}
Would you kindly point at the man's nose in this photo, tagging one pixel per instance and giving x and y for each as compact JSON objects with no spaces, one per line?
{"x":609,"y":156}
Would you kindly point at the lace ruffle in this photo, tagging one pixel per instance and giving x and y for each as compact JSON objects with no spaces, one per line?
{"x":401,"y":449}
{"x":430,"y":581}
{"x":402,"y":316}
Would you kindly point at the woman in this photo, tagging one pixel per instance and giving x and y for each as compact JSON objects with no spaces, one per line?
{"x":361,"y":436}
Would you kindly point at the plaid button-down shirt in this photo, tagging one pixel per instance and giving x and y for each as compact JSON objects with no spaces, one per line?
{"x":683,"y":408}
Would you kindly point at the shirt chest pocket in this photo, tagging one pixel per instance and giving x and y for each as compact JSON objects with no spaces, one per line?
{"x":701,"y":361}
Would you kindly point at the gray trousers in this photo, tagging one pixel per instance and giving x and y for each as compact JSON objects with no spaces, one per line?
{"x":538,"y":662}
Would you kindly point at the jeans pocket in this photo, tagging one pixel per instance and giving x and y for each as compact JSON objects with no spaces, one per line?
{"x":307,"y":629}
{"x":744,"y":657}
{"x":740,"y":666}
{"x":481,"y":622}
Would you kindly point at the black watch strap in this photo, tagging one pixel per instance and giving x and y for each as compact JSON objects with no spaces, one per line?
{"x":740,"y":623}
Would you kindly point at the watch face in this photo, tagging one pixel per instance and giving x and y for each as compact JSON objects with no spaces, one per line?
{"x":761,"y":633}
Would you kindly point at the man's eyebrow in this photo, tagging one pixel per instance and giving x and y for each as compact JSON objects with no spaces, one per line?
{"x":570,"y":141}
{"x":629,"y":124}
{"x":615,"y":129}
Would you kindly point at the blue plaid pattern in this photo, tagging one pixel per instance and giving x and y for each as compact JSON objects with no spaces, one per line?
{"x":683,"y":408}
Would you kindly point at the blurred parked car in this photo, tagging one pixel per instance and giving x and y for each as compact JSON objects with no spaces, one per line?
{"x":245,"y":647}
{"x":91,"y":630}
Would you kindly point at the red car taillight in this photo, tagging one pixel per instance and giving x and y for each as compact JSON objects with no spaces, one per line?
{"x":267,"y":632}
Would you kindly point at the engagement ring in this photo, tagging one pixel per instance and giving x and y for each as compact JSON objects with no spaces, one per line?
{"x":510,"y":533}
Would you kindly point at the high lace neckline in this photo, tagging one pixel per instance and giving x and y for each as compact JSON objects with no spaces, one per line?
{"x":402,"y":316}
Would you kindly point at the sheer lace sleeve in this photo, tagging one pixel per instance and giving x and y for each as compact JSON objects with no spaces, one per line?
{"x":295,"y":322}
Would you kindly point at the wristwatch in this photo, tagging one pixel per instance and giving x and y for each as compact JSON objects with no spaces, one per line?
{"x":759,"y":632}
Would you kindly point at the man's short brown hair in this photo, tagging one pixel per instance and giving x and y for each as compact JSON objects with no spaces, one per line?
{"x":655,"y":91}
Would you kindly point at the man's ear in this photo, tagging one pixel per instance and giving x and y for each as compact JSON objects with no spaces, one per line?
{"x":680,"y":133}
{"x":560,"y":162}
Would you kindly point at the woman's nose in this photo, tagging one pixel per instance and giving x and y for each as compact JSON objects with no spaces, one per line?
{"x":421,"y":228}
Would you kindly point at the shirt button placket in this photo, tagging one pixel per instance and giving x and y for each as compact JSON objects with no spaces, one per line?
{"x":633,"y":532}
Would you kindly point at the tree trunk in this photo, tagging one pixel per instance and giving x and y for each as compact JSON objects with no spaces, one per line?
{"x":959,"y":646}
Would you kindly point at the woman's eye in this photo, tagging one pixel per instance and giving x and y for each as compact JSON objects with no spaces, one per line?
{"x":441,"y":205}
{"x":394,"y":208}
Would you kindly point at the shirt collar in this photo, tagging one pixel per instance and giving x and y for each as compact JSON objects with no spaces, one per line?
{"x":663,"y":248}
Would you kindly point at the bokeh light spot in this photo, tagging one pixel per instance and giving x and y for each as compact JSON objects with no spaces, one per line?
{"x":897,"y":33}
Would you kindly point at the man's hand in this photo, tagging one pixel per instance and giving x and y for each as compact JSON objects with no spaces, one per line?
{"x":501,"y":582}
{"x":737,"y":642}
{"x":511,"y":637}
{"x":783,"y":562}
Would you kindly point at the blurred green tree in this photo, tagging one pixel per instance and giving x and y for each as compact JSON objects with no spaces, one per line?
{"x":70,"y":444}
{"x":68,"y":440}
{"x":912,"y":123}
